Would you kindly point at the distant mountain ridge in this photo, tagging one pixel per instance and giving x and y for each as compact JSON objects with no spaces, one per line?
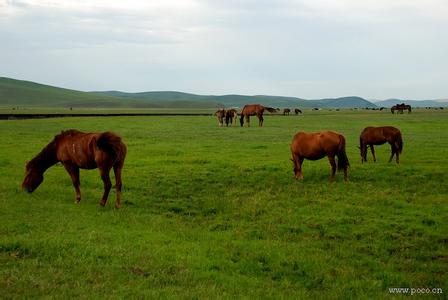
{"x":15,"y":92}
{"x":413,"y":103}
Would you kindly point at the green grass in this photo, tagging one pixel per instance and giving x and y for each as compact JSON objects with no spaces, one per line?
{"x":215,"y":212}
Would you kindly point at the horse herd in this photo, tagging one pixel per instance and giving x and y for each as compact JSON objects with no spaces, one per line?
{"x":230,"y":115}
{"x":248,"y":110}
{"x":105,"y":151}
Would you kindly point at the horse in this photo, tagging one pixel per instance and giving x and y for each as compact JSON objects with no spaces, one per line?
{"x":230,"y":115}
{"x":221,"y":114}
{"x":297,"y":111}
{"x":400,"y":108}
{"x":377,"y":136}
{"x":286,"y":111}
{"x":254,"y":110}
{"x":314,"y":146}
{"x":75,"y":150}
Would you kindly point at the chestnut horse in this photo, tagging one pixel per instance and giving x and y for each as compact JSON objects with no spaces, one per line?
{"x":254,"y":110}
{"x":314,"y":146}
{"x":377,"y":136}
{"x":75,"y":150}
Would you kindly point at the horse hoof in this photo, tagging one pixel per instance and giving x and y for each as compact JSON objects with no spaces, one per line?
{"x":102,"y":203}
{"x":117,"y":206}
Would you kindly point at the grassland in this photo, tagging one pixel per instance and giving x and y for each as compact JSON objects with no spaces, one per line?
{"x":214,"y":212}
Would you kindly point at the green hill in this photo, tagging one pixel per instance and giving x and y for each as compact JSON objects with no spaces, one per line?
{"x":25,"y":93}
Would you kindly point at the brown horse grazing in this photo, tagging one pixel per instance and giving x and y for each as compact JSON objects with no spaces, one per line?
{"x":75,"y":150}
{"x":254,"y":110}
{"x":297,"y":111}
{"x":230,"y":115}
{"x":377,"y":136}
{"x":314,"y":146}
{"x":286,"y":111}
{"x":221,"y":114}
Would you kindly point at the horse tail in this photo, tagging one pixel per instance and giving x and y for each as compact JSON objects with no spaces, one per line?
{"x":270,"y":109}
{"x":342,"y":155}
{"x":112,"y":144}
{"x":399,"y":143}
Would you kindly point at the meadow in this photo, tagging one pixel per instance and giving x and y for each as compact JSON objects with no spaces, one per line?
{"x":211,"y":212}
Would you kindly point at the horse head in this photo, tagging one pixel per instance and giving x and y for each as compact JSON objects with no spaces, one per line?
{"x":33,"y":178}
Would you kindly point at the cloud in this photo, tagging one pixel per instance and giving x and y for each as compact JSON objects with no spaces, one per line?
{"x":305,"y":48}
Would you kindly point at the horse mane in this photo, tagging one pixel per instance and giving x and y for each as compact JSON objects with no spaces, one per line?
{"x":65,"y":133}
{"x":45,"y":158}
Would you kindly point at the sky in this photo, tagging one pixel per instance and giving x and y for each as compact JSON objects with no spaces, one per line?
{"x":376,"y":49}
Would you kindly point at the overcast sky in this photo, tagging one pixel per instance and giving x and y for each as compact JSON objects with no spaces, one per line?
{"x":375,"y":49}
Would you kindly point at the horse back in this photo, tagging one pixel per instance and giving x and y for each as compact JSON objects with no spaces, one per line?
{"x":315,"y":145}
{"x":78,"y":149}
{"x":379,"y":135}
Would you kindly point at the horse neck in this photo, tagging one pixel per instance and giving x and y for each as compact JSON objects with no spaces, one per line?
{"x":46,"y":158}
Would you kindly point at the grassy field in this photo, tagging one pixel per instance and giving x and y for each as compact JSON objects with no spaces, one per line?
{"x":213,"y":212}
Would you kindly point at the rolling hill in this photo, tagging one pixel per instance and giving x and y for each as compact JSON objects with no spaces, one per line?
{"x":413,"y":103}
{"x":15,"y":92}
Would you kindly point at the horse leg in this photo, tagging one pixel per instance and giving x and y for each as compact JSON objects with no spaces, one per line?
{"x":393,"y":151}
{"x":260,"y":121}
{"x":74,"y":174}
{"x":248,"y":120}
{"x":117,"y":172}
{"x":373,"y":152}
{"x":300,"y":173}
{"x":333,"y":167}
{"x":107,"y":184}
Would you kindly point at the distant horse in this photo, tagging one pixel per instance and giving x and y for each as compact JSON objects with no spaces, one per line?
{"x":254,"y":110}
{"x":377,"y":136}
{"x":286,"y":111}
{"x":221,"y":114}
{"x":314,"y":146}
{"x":297,"y":111}
{"x":400,"y":108}
{"x":75,"y":150}
{"x":231,"y":114}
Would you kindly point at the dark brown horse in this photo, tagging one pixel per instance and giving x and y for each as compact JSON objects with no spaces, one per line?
{"x":297,"y":111}
{"x":377,"y":136}
{"x":400,"y":108}
{"x":220,"y":114}
{"x":231,"y":114}
{"x":314,"y":146}
{"x":286,"y":111}
{"x":254,"y":110}
{"x":75,"y":150}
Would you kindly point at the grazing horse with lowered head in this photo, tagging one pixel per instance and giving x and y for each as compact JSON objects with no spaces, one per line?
{"x":220,"y":114}
{"x":297,"y":111}
{"x":314,"y":146}
{"x":371,"y":136}
{"x":75,"y":150}
{"x":231,"y":114}
{"x":254,"y":110}
{"x":286,"y":111}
